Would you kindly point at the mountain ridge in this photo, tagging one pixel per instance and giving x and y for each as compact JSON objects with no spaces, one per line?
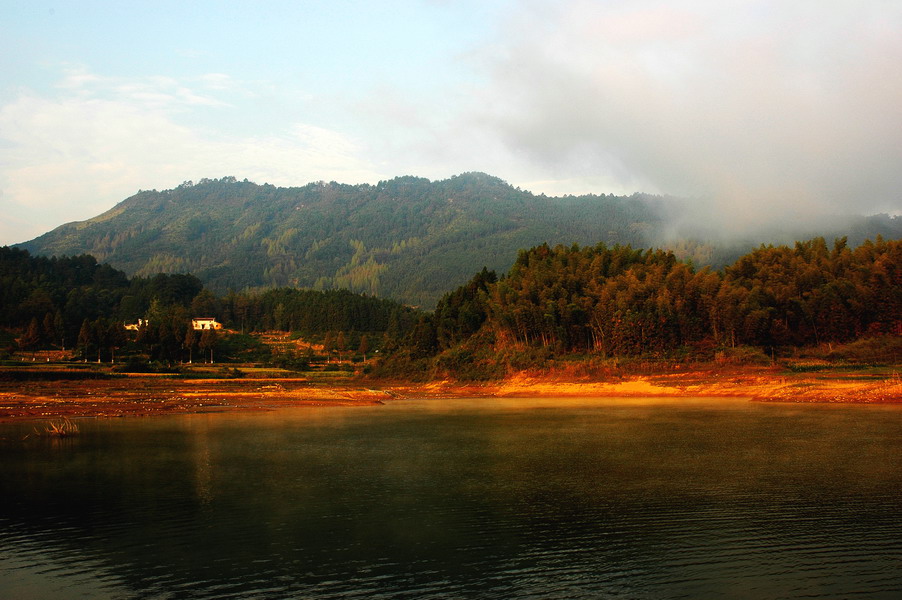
{"x":407,"y":238}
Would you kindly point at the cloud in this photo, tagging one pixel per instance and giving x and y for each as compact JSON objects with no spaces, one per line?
{"x":73,"y":156}
{"x":218,"y":81}
{"x":757,"y":107}
{"x":153,"y":92}
{"x":754,"y":107}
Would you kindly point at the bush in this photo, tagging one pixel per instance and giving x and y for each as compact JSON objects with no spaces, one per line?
{"x":882,"y":350}
{"x":529,"y":357}
{"x":466,"y":365}
{"x":290,"y":363}
{"x":240,"y":347}
{"x":742,"y":355}
{"x":403,"y":366}
{"x":137,"y":364}
{"x":233,"y":373}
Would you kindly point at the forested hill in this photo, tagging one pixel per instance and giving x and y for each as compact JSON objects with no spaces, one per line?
{"x":594,"y":303}
{"x":408,"y":238}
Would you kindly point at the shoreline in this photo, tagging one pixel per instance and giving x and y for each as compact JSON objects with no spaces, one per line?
{"x":143,"y":395}
{"x":757,"y":388}
{"x":139,"y":396}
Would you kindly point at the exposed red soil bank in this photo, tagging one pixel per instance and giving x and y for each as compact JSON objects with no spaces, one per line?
{"x":155,"y":395}
{"x":757,"y":385}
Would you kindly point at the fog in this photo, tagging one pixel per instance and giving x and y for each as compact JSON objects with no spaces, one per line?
{"x":760,"y":111}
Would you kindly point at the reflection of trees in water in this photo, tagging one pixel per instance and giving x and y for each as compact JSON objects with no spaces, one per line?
{"x":203,"y":471}
{"x":516,"y":497}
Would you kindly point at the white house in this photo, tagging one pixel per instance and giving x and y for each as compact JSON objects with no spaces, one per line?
{"x":200,"y":323}
{"x":135,"y":326}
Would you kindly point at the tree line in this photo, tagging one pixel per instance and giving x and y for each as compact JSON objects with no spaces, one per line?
{"x":621,"y":301}
{"x":610,"y":301}
{"x":77,"y":303}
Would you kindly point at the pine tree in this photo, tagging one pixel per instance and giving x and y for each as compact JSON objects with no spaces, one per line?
{"x":364,"y":346}
{"x":32,"y":337}
{"x":208,"y":341}
{"x":59,"y":326}
{"x":341,"y":344}
{"x":115,"y":338}
{"x":190,"y":342}
{"x":86,"y":339}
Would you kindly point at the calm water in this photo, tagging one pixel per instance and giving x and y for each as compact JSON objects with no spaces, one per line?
{"x":461,"y":499}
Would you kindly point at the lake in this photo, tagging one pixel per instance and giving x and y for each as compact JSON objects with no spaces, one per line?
{"x":471,"y":498}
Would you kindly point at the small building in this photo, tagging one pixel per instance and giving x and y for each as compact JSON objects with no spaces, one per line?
{"x":135,"y":326}
{"x":201,"y":323}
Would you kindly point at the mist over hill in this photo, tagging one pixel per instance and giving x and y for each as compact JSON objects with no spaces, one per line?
{"x":408,"y":238}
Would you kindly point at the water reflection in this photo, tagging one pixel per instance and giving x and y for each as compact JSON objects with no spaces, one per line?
{"x":475,"y":498}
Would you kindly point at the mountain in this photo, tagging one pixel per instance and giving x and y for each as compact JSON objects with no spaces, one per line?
{"x":408,"y":238}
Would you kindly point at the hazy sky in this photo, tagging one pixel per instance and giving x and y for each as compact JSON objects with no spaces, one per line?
{"x":750,"y":106}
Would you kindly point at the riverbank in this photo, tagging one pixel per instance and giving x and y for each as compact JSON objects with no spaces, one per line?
{"x":147,"y":395}
{"x":763,"y":385}
{"x":62,"y":397}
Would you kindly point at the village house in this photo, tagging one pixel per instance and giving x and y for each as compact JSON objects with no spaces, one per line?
{"x":135,"y":326}
{"x":201,"y":323}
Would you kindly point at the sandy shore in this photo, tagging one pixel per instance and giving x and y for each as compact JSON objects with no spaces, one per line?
{"x":148,"y":395}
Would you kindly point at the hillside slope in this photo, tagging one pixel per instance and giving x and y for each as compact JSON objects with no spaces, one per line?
{"x":407,"y":238}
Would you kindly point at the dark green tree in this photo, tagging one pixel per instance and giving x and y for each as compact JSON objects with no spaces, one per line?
{"x":208,"y":341}
{"x":32,"y":337}
{"x":364,"y":346}
{"x":190,"y":342}
{"x":86,"y":339}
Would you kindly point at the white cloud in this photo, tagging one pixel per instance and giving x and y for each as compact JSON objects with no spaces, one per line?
{"x":218,"y":81}
{"x":752,"y":104}
{"x":72,"y":157}
{"x":153,"y":92}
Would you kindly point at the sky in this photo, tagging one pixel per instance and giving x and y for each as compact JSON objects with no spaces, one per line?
{"x":756,"y":110}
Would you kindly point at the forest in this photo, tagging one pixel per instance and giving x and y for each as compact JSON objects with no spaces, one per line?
{"x":602,"y":302}
{"x":614,"y":302}
{"x":77,"y":303}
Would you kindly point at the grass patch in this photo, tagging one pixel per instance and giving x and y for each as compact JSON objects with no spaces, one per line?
{"x":51,"y":375}
{"x":64,"y":428}
{"x":875,"y":350}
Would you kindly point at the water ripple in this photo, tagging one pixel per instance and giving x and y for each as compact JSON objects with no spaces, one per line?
{"x":603,"y":502}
